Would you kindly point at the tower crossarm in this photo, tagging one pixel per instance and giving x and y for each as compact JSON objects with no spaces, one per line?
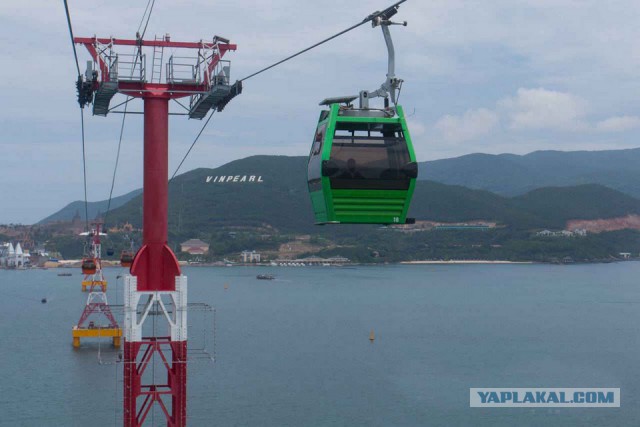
{"x":196,"y":75}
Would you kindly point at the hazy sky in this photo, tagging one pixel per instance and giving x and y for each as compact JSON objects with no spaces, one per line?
{"x":480,"y":76}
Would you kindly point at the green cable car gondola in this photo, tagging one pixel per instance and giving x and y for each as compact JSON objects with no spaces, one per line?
{"x":362,"y":168}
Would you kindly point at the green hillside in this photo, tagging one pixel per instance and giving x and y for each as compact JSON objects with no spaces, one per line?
{"x":93,"y":208}
{"x":280,"y":201}
{"x":555,"y":205}
{"x":504,"y":174}
{"x":261,"y":202}
{"x":510,"y":174}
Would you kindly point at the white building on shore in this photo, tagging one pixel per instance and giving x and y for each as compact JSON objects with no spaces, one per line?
{"x":250,"y":256}
{"x":13,"y":257}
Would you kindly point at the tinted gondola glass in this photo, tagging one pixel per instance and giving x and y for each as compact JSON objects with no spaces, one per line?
{"x":362,"y":167}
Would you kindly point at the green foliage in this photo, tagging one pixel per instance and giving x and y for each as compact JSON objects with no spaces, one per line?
{"x":93,"y":208}
{"x":498,"y":244}
{"x":510,"y":174}
{"x":69,"y":246}
{"x":279,"y":206}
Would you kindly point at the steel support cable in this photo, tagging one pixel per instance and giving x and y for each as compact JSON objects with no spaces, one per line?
{"x":153,"y":2}
{"x":364,"y":21}
{"x":143,"y":15}
{"x":84,"y":171}
{"x":73,"y":45}
{"x":115,"y":169}
{"x":126,"y":103}
{"x":192,"y":144}
{"x":353,"y":27}
{"x":84,"y":157}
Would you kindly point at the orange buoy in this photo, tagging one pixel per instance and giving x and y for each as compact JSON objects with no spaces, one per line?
{"x":372,"y":336}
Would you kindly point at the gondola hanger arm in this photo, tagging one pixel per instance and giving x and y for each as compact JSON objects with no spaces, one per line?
{"x":391,"y":85}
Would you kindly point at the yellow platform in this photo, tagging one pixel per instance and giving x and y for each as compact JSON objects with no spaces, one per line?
{"x":86,"y":284}
{"x":113,"y":333}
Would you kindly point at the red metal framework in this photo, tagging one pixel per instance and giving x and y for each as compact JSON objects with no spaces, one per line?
{"x":155,"y":269}
{"x":143,"y":352}
{"x":97,"y":305}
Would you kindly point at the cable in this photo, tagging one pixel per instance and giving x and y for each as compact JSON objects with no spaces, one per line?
{"x":84,"y":159}
{"x":364,"y":21}
{"x":353,"y":27}
{"x":126,"y":104}
{"x":192,"y":144}
{"x":75,"y":53}
{"x":143,"y":15}
{"x":148,"y":18}
{"x":84,"y":171}
{"x":115,"y":169}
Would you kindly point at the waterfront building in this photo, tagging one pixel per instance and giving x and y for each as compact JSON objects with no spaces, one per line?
{"x":250,"y":256}
{"x":194,"y":247}
{"x":13,"y":257}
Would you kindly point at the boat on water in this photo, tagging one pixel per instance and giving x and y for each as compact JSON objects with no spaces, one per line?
{"x":265,"y":277}
{"x":64,"y":274}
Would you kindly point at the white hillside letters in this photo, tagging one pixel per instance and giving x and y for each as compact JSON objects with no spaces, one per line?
{"x":220,"y":179}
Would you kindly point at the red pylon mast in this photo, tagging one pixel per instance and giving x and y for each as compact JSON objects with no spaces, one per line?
{"x":156,"y":282}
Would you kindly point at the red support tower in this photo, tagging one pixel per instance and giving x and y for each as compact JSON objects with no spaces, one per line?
{"x":156,"y":283}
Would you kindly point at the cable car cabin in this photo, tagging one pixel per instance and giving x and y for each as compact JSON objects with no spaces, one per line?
{"x":110,"y":252}
{"x":362,"y":167}
{"x":126,"y":259}
{"x":89,"y":266}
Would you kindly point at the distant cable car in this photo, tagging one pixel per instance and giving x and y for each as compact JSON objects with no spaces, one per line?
{"x":89,"y":266}
{"x":362,"y":168}
{"x":110,"y":252}
{"x":126,"y":259}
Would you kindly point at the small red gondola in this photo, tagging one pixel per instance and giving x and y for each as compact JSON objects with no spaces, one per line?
{"x":89,"y":266}
{"x":126,"y":259}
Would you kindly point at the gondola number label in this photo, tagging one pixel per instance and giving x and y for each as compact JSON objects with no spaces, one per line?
{"x":396,"y":219}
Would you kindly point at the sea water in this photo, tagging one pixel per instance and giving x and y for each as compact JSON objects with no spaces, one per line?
{"x":295,"y":351}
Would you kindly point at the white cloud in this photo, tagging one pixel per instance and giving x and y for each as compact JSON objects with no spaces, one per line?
{"x":472,"y":124}
{"x":545,"y":109}
{"x":455,"y":55}
{"x":416,"y":128}
{"x":618,"y":124}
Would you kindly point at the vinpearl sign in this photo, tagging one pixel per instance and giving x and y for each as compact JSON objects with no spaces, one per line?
{"x":235,"y":178}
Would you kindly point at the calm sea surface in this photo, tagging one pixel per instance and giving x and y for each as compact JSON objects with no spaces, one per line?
{"x":295,"y":351}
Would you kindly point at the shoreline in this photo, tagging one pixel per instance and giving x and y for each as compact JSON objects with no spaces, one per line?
{"x":470,"y":261}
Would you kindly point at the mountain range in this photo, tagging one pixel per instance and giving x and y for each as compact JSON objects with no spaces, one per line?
{"x":93,"y":208}
{"x":511,"y":174}
{"x":279,"y":199}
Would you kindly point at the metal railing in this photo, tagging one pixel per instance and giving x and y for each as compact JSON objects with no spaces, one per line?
{"x":183,"y":70}
{"x":221,"y":74}
{"x":129,"y":67}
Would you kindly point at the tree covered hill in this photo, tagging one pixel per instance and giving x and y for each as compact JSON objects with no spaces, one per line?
{"x":505,"y":174}
{"x":204,"y":200}
{"x":510,"y":174}
{"x":93,"y":208}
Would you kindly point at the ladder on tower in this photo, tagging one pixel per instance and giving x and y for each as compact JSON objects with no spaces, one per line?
{"x":156,"y":64}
